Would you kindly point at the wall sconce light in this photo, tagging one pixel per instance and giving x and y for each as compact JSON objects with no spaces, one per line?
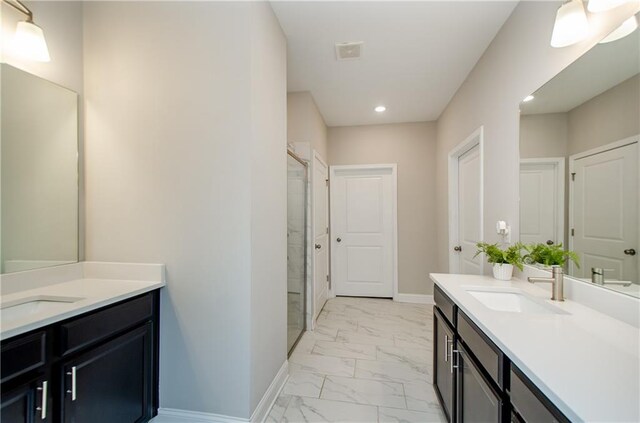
{"x":571,"y":24}
{"x":29,"y":39}
{"x":622,"y":31}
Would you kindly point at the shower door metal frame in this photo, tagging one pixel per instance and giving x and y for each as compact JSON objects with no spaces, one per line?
{"x":304,"y":285}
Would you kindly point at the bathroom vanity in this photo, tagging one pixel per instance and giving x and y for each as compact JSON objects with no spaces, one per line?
{"x":83,"y":349}
{"x":503,"y":352}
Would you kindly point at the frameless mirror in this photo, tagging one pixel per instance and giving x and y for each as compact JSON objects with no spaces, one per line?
{"x":39,"y":172}
{"x":579,"y":164}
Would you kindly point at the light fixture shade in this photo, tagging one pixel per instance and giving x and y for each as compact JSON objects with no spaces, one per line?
{"x":622,"y":31}
{"x":596,"y":6}
{"x":571,"y":24}
{"x":29,"y":42}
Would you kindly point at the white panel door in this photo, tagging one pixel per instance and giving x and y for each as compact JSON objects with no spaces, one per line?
{"x":320,"y":234}
{"x":363,"y":201}
{"x":540,"y":213}
{"x":469,"y":213}
{"x":605,"y":212}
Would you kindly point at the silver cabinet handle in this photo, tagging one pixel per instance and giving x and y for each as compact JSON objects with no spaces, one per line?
{"x":446,"y":348}
{"x":72,"y":391}
{"x":43,"y":408}
{"x":457,"y":365}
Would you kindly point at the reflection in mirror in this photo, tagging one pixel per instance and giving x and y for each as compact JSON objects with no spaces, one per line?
{"x":579,"y":164}
{"x":39,"y":172}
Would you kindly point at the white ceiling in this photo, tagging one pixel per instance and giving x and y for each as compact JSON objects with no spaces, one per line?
{"x":601,"y":68}
{"x":416,"y":54}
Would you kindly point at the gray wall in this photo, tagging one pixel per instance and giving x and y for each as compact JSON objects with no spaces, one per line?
{"x":412,"y":147}
{"x":305,"y":122}
{"x":606,"y":118}
{"x":544,"y":135}
{"x":518,"y":61}
{"x":185,"y":165}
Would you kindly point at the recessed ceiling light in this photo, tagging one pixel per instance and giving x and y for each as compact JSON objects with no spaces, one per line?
{"x":380,"y":109}
{"x":528,"y":98}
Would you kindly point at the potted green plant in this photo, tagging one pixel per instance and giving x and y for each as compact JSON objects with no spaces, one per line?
{"x":549,"y":255}
{"x":502,"y":260}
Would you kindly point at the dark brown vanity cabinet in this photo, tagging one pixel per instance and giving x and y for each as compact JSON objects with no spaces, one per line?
{"x":474,"y":380}
{"x":443,"y":374}
{"x":98,"y":367}
{"x":477,"y":400}
{"x":27,"y":401}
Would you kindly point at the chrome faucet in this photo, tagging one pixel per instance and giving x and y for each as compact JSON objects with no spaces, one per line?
{"x":557,"y":283}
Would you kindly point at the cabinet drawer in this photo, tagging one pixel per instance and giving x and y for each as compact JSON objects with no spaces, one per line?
{"x":485,"y":351}
{"x":23,"y":354}
{"x":446,"y":306}
{"x":86,"y":330}
{"x":531,"y":405}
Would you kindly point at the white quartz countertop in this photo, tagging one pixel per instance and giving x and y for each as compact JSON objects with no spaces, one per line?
{"x":585,"y":362}
{"x":96,"y":284}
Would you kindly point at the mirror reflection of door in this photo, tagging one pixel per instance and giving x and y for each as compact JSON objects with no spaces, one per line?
{"x":542,"y":200}
{"x":604,"y":208}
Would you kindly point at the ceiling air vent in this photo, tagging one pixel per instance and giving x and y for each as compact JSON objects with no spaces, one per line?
{"x":349,"y":51}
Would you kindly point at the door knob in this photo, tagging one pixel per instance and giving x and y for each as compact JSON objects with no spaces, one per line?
{"x":549,"y":242}
{"x":339,"y":239}
{"x":630,"y":252}
{"x":457,"y":248}
{"x":318,"y":246}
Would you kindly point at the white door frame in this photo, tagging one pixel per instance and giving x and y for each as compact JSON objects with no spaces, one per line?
{"x":475,"y":139}
{"x":394,"y":225}
{"x":315,"y":155}
{"x":558,"y":162}
{"x":572,"y":159}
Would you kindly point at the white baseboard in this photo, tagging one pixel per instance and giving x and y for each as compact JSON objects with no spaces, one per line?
{"x":271,"y":395}
{"x":172,"y":415}
{"x":414,"y":298}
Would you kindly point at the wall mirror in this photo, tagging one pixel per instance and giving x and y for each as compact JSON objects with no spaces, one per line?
{"x":579,"y":164}
{"x":39,"y":172}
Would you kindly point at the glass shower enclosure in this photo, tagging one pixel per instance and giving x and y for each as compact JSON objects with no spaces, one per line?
{"x":296,"y":248}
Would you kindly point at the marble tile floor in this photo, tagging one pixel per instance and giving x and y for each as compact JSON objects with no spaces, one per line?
{"x":368,"y":360}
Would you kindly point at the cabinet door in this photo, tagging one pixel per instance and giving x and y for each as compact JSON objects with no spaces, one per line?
{"x":477,"y":401}
{"x":443,"y":370}
{"x":27,"y":403}
{"x":111,"y":383}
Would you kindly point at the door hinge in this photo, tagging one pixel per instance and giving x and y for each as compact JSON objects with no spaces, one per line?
{"x":327,"y":278}
{"x":326,"y":181}
{"x":573,"y":176}
{"x":573,"y":232}
{"x":327,"y":229}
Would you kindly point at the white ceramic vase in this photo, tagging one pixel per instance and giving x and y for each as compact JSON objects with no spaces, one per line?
{"x":502,"y":271}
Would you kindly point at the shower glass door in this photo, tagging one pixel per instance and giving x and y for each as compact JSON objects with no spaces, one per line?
{"x":296,"y":248}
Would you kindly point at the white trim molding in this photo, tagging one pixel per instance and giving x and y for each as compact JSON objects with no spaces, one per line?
{"x":414,"y":298}
{"x":173,"y":415}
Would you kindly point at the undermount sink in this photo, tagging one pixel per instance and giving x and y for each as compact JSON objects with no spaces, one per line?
{"x":513,"y":301}
{"x":18,"y":309}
